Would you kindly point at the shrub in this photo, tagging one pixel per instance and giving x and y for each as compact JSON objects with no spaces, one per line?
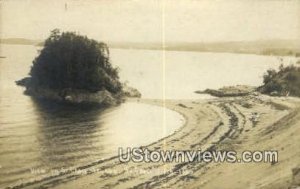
{"x":285,"y":81}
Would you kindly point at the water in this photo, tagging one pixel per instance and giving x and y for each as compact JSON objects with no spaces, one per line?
{"x":44,"y":136}
{"x":187,"y":72}
{"x":37,"y":138}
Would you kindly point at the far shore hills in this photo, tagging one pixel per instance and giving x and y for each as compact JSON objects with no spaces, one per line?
{"x":277,"y":47}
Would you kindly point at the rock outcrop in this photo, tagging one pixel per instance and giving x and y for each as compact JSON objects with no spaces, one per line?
{"x":230,"y":91}
{"x":77,"y":96}
{"x":131,"y":92}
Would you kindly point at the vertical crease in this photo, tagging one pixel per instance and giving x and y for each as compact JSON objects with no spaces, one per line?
{"x":164,"y":75}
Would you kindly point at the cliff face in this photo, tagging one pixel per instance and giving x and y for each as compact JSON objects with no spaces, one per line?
{"x":77,"y":96}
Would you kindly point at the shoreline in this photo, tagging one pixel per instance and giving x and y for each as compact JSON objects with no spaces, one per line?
{"x":190,"y":48}
{"x":221,"y":123}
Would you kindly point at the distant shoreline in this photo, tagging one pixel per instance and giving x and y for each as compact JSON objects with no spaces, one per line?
{"x":267,"y":47}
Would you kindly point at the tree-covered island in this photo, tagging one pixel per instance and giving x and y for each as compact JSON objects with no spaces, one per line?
{"x":76,"y":69}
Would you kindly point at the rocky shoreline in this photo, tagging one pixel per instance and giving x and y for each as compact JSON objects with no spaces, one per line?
{"x":230,"y":91}
{"x":78,"y":96}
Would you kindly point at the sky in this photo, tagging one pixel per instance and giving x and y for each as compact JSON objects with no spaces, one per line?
{"x":153,"y":20}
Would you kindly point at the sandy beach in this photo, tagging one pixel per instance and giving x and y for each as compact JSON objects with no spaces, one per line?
{"x":216,"y":124}
{"x":150,"y":94}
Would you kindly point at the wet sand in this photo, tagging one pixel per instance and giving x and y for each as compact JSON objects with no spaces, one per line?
{"x":221,"y":124}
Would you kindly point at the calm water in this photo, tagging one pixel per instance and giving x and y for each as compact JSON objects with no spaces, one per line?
{"x":42,"y":136}
{"x":187,"y":72}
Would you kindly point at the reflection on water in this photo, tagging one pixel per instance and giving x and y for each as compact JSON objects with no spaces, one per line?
{"x":66,"y":132}
{"x":40,"y":136}
{"x":64,"y":136}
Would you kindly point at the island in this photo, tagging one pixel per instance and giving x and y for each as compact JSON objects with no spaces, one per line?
{"x":75,"y":69}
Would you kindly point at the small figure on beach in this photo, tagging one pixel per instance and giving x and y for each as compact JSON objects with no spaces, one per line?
{"x":254,"y":118}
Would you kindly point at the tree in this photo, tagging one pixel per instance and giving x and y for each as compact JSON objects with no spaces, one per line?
{"x":71,"y":61}
{"x":284,"y":81}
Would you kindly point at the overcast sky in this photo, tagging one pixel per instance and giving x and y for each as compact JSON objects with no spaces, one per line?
{"x":150,"y":20}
